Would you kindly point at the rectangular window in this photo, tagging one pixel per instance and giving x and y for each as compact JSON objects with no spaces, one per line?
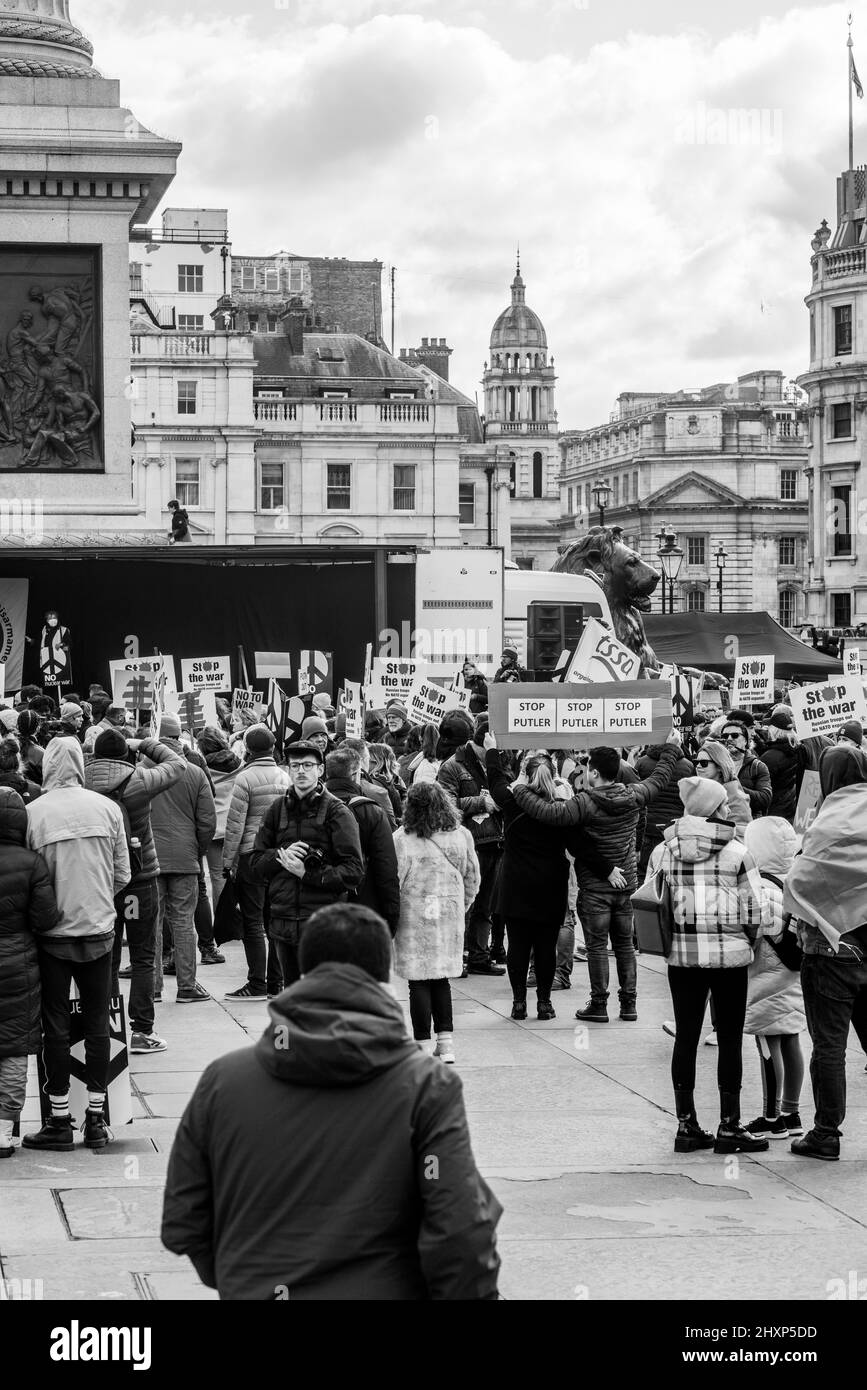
{"x":272,"y":324}
{"x":272,"y":280}
{"x":187,"y":481}
{"x":842,"y":421}
{"x":296,"y":279}
{"x":787,"y":608}
{"x":842,"y":330}
{"x":787,"y":555}
{"x":615,"y":500}
{"x":269,"y":395}
{"x":135,"y":277}
{"x":467,"y":503}
{"x":695,"y":601}
{"x":271,"y":488}
{"x":191,"y":323}
{"x":187,"y":393}
{"x":253,"y":321}
{"x":841,"y":610}
{"x":842,"y":500}
{"x":635,"y":487}
{"x":695,"y":550}
{"x":404,"y":487}
{"x":587,"y":499}
{"x":248,"y":277}
{"x":568,"y":501}
{"x":190,"y":279}
{"x":788,"y":484}
{"x":338,"y":487}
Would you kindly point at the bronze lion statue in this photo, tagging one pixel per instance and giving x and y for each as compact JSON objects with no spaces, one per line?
{"x":626,"y":580}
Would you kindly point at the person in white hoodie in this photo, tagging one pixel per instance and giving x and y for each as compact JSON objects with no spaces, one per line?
{"x":81,"y":837}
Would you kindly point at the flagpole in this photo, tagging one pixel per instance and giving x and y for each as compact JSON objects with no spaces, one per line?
{"x":849,"y":83}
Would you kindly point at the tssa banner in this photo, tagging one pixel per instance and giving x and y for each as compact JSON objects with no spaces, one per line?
{"x":553,"y":716}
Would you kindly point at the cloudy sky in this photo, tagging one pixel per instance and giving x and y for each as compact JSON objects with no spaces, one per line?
{"x":663,"y":166}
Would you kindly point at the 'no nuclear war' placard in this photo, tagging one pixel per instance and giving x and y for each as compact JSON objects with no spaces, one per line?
{"x":620,"y":714}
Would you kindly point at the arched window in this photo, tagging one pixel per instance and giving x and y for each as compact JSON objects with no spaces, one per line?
{"x":695,"y":601}
{"x":529,"y":361}
{"x":536,"y":360}
{"x":538,"y":475}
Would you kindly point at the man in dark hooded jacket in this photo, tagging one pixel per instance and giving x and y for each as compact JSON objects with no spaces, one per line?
{"x":380,"y":887}
{"x":332,"y":1162}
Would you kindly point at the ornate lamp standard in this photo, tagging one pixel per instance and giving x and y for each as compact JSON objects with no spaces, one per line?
{"x":671,"y":559}
{"x":720,"y":558}
{"x":601,"y":495}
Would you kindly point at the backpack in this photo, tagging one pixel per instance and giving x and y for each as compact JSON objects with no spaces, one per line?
{"x":133,"y":843}
{"x":787,"y":949}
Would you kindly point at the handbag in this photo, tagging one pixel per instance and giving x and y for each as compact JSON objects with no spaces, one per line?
{"x":228,"y":922}
{"x":654,"y":916}
{"x":787,"y":949}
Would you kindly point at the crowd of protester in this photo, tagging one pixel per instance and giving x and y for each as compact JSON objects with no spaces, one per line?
{"x":478,"y":861}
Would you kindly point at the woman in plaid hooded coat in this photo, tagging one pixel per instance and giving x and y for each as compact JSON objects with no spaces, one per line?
{"x":718,"y":908}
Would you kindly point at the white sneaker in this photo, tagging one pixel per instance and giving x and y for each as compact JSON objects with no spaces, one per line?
{"x":445,"y":1050}
{"x":147,"y":1042}
{"x":711,"y":1040}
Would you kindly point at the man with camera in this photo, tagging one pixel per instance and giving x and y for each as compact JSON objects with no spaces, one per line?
{"x":307,"y":850}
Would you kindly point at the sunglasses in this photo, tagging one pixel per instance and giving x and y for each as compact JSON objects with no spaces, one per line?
{"x":731,"y":738}
{"x":704,"y":762}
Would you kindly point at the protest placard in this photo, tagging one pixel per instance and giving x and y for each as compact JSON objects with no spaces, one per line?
{"x":206,"y":673}
{"x":392,"y":678}
{"x":753,"y":681}
{"x":821,"y":709}
{"x":315,"y":672}
{"x":683,"y":696}
{"x":156,"y":664}
{"x":133,"y":690}
{"x":353,"y":708}
{"x":548,"y":716}
{"x":248,"y":702}
{"x":854,"y":658}
{"x":428,"y":703}
{"x":194,"y":708}
{"x":808,"y":802}
{"x":276,"y":664}
{"x":600,"y":657}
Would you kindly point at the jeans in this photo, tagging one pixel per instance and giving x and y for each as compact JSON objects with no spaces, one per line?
{"x":430,"y":999}
{"x":93,"y":978}
{"x":834,"y":987}
{"x":137,"y":912}
{"x":477,"y":935}
{"x":203,"y":916}
{"x":526,"y":934}
{"x":13,"y":1086}
{"x":251,"y":897}
{"x":287,"y":952}
{"x":690,"y":986}
{"x":565,"y":952}
{"x":604,"y":914}
{"x":178,"y":895}
{"x":214,"y":860}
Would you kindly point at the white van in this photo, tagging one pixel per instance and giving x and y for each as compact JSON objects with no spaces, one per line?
{"x":543,"y":613}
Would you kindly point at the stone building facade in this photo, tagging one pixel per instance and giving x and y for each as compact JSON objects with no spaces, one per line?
{"x":720,"y":465}
{"x":835,"y":383}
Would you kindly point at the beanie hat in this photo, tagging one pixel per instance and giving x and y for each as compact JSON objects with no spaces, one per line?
{"x":9,"y":720}
{"x":782,"y":719}
{"x":773,"y":844}
{"x":507,"y":647}
{"x":322,"y":700}
{"x":110,"y":744}
{"x":67,"y":711}
{"x":740,"y":716}
{"x":170,"y":725}
{"x":395,"y":707}
{"x":852,"y":730}
{"x":481,"y":726}
{"x":700,"y":796}
{"x":719,"y":755}
{"x":259,"y":739}
{"x":374,"y":723}
{"x":311,"y":725}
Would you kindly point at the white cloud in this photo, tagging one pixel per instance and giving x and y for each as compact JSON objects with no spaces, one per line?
{"x":656,"y":215}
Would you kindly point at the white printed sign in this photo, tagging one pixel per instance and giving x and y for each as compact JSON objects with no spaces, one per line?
{"x":853,"y":661}
{"x":428,"y":703}
{"x":194,"y":708}
{"x":821,"y":709}
{"x":206,"y":673}
{"x":600,"y":657}
{"x":580,"y":716}
{"x":353,"y":708}
{"x":532,"y":716}
{"x":248,"y":702}
{"x":628,"y":716}
{"x":753,"y":681}
{"x":133,"y":690}
{"x":392,"y":678}
{"x":146,"y":663}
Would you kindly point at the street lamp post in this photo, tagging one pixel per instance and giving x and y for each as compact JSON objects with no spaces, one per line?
{"x":601,"y":494}
{"x":672,"y":559}
{"x":721,"y":558}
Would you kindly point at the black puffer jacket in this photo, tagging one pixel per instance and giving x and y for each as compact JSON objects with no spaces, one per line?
{"x":17,"y":782}
{"x":326,"y":825}
{"x":785,"y":763}
{"x":667,"y":806}
{"x":27,"y":906}
{"x":380,"y":888}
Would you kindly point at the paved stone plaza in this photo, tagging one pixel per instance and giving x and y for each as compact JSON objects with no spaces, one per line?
{"x":576,"y":1140}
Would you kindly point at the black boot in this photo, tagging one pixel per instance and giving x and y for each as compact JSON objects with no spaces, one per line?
{"x":96,"y":1131}
{"x":544,"y":1009}
{"x":55,"y":1134}
{"x":731,"y":1137}
{"x":690,"y":1136}
{"x":519,"y":1009}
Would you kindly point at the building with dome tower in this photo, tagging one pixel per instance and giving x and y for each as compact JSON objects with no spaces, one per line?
{"x":520,"y":417}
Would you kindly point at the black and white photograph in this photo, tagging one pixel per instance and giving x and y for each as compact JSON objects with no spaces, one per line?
{"x":433,"y":644}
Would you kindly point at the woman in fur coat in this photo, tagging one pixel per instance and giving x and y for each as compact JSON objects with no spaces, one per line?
{"x":439,"y":878}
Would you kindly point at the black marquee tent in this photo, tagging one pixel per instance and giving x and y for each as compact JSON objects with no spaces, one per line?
{"x":711,"y":641}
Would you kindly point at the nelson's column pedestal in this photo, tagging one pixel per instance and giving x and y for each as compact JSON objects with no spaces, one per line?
{"x":77,"y":170}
